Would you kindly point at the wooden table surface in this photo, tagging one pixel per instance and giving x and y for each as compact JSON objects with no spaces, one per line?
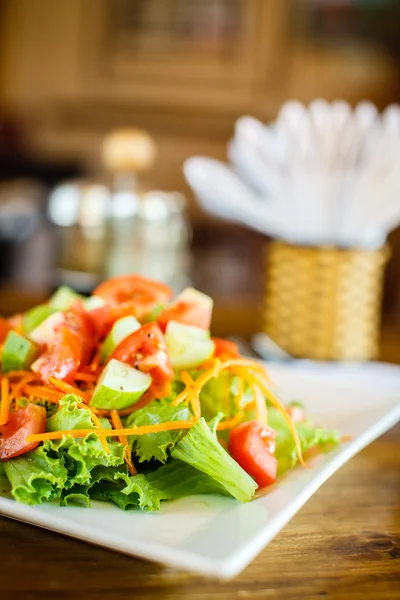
{"x":344,"y":544}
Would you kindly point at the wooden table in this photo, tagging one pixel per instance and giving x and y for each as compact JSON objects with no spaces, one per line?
{"x":344,"y":544}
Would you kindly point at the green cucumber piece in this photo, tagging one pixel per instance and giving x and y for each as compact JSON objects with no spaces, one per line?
{"x":193,"y":296}
{"x":119,"y":331}
{"x":188,"y":346}
{"x":44,"y":333}
{"x":63,"y":298}
{"x":119,"y":386}
{"x":35,"y":316}
{"x":18,"y":353}
{"x":93,"y":302}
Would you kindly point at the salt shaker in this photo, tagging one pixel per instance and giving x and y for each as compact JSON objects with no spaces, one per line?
{"x":148,"y":231}
{"x":79,"y":212}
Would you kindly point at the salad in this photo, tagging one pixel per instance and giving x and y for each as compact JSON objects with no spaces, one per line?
{"x":125,"y":397}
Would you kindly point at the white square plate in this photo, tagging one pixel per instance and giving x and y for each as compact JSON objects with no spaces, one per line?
{"x":219,"y":536}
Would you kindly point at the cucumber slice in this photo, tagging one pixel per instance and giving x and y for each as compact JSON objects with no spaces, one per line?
{"x":119,"y":386}
{"x":194,"y":296}
{"x":35,"y":316}
{"x":44,"y":333}
{"x":63,"y":298}
{"x":93,"y":302}
{"x":119,"y":331}
{"x":18,"y":353}
{"x":188,"y":346}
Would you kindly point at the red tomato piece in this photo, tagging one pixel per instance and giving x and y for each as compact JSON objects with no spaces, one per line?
{"x":4,"y":329}
{"x":133,"y":295}
{"x":21,"y":423}
{"x":78,"y":322}
{"x":102,"y":319}
{"x":146,"y":350}
{"x":297,"y":413}
{"x":73,"y":344}
{"x":252,"y":446}
{"x":15,"y":322}
{"x":225,"y":348}
{"x":188,"y":311}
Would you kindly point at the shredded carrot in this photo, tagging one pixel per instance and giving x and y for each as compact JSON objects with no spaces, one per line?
{"x":116,"y":421}
{"x":278,"y":404}
{"x":90,"y":377}
{"x":17,"y":387}
{"x":229,"y":423}
{"x":42,"y":392}
{"x":19,"y":374}
{"x":240,"y":391}
{"x":196,"y":386}
{"x":94,"y":365}
{"x":180,"y":398}
{"x":247,"y":364}
{"x":261,"y":405}
{"x":249,"y":406}
{"x":257,"y":377}
{"x":193,"y":394}
{"x":96,"y":421}
{"x":142,"y":430}
{"x":62,"y":386}
{"x":34,"y":399}
{"x":68,"y":389}
{"x":5,"y":401}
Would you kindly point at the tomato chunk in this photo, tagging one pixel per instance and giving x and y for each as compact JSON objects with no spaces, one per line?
{"x":102,"y":319}
{"x":190,"y":308}
{"x":252,"y":446}
{"x":72,"y":346}
{"x":21,"y":423}
{"x":146,"y":350}
{"x":225,"y":348}
{"x":4,"y":329}
{"x":133,"y":295}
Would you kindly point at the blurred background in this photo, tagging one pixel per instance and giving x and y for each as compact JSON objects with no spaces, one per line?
{"x":71,"y":71}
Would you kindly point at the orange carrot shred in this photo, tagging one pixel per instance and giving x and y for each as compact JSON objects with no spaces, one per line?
{"x":261,"y":405}
{"x":5,"y":401}
{"x":193,"y":394}
{"x":42,"y":392}
{"x":117,"y":424}
{"x":229,"y":423}
{"x":68,"y":389}
{"x":89,"y":377}
{"x":142,"y":430}
{"x":94,"y":365}
{"x":96,"y":421}
{"x":34,"y":399}
{"x":282,"y":409}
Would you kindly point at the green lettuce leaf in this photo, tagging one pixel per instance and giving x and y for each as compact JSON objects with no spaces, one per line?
{"x":81,"y":456}
{"x":156,"y":445}
{"x":61,"y":465}
{"x":310,"y":437}
{"x":102,"y":479}
{"x":70,"y":416}
{"x":218,"y":396}
{"x":200,"y":449}
{"x":36,"y":477}
{"x":171,"y":481}
{"x":5,"y":487}
{"x":177,"y":479}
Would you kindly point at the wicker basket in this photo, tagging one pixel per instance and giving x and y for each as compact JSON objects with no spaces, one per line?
{"x":324,"y":303}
